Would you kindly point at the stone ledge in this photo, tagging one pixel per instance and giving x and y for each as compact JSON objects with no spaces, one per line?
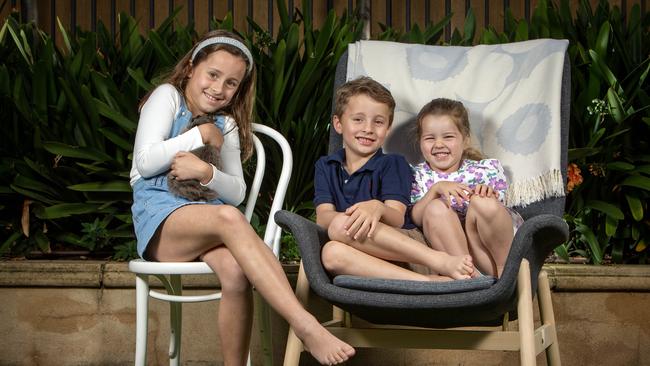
{"x":98,"y":274}
{"x":585,"y":277}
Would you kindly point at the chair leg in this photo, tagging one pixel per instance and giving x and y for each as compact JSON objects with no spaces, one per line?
{"x":176,"y":322}
{"x":294,"y":344}
{"x":548,"y":318}
{"x":525,"y":313}
{"x":141,"y":318}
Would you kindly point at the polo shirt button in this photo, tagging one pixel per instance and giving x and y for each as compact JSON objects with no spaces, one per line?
{"x":345,"y":181}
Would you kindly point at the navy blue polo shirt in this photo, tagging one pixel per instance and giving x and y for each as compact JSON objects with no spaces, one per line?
{"x":383,"y":177}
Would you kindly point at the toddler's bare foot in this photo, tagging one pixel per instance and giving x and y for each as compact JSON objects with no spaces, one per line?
{"x":325,"y":347}
{"x":458,"y":267}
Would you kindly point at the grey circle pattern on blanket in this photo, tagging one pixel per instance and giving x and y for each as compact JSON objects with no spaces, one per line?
{"x":426,"y":64}
{"x":524,"y":131}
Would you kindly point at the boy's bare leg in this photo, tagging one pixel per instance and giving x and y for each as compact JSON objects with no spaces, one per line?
{"x":193,"y":230}
{"x":339,"y":258}
{"x":489,"y":232}
{"x":389,"y":243}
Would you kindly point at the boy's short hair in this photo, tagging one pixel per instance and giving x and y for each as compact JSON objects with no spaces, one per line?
{"x":367,"y":86}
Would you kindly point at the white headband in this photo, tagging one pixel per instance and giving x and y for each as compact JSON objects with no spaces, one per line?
{"x":225,"y":40}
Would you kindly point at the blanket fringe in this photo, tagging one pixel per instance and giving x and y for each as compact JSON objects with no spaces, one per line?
{"x":525,"y":192}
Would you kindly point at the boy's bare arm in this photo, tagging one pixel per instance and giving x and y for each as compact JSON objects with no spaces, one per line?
{"x":325,"y":213}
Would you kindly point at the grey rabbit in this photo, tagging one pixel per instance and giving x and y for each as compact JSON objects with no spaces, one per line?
{"x":192,"y":188}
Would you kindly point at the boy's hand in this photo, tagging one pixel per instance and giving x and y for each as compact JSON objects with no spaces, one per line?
{"x":447,"y":190}
{"x":363,"y":219}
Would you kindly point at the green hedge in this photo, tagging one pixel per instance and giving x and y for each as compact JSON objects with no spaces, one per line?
{"x":69,"y":116}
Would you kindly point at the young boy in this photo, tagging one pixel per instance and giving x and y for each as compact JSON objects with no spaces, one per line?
{"x":361,"y":196}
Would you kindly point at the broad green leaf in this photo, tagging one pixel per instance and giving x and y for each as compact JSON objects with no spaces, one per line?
{"x":602,"y":41}
{"x":637,"y":181}
{"x":65,"y":210}
{"x":70,"y":151}
{"x":37,"y":196}
{"x":610,"y":226}
{"x":579,"y":153}
{"x":116,"y":139}
{"x":562,"y":252}
{"x":111,"y":186}
{"x":42,"y":241}
{"x":615,"y":105}
{"x":636,"y":207}
{"x":588,"y":236}
{"x":115,"y":116}
{"x":139,"y":78}
{"x":64,"y":34}
{"x":620,"y":166}
{"x":643,"y":169}
{"x":607,"y":208}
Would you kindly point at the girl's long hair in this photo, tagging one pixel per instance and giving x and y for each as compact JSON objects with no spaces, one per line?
{"x":240,"y":107}
{"x":458,"y":114}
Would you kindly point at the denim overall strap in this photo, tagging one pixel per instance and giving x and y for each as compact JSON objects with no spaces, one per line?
{"x":184,"y":116}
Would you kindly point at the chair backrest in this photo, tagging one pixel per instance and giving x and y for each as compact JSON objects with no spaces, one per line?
{"x":272,"y":232}
{"x":401,"y":140}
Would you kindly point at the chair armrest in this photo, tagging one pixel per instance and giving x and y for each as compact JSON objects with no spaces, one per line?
{"x":310,"y":239}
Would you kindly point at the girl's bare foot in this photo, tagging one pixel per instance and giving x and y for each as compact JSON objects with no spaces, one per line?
{"x":325,"y":347}
{"x":458,"y":267}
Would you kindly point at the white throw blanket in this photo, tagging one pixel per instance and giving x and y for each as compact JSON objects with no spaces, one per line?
{"x":512,"y":92}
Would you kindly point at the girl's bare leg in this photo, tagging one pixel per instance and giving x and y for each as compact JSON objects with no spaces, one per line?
{"x":339,"y":258}
{"x":390,"y":244}
{"x":443,"y":229}
{"x":193,"y":230}
{"x":489,"y":232}
{"x":235,"y":308}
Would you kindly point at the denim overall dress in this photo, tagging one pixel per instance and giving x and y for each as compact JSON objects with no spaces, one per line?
{"x":152,"y":201}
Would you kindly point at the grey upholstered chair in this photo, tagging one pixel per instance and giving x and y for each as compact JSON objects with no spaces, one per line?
{"x":437,"y":307}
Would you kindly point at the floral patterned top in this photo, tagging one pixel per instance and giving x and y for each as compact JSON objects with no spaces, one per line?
{"x":471,"y":173}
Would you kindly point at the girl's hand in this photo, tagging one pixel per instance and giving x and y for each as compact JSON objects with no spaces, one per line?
{"x":211,"y":135}
{"x":484,"y":190}
{"x":446,"y":190}
{"x":363,"y":219}
{"x":188,"y":166}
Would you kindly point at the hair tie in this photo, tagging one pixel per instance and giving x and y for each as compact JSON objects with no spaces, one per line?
{"x":225,"y":40}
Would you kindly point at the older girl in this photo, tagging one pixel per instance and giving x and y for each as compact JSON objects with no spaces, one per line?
{"x":216,"y":78}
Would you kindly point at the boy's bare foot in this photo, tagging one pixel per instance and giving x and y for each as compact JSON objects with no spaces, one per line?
{"x":458,"y":267}
{"x":325,"y":347}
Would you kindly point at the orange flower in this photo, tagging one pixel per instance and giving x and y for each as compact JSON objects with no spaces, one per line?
{"x":575,"y":179}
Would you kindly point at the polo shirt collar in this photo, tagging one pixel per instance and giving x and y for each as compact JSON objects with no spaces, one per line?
{"x":370,"y":165}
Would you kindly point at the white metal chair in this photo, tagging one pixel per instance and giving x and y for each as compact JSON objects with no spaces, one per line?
{"x":169,"y":273}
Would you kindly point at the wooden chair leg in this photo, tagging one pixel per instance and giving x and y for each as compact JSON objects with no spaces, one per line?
{"x":294,"y":344}
{"x":525,"y":313}
{"x":141,"y":318}
{"x":548,"y":318}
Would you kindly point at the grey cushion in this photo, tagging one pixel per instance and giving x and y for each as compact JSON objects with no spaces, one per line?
{"x":413,"y":287}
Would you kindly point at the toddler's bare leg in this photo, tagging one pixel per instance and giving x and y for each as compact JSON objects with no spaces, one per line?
{"x":489,"y":231}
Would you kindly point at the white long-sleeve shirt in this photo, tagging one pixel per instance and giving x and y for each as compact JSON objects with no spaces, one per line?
{"x":153,"y":152}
